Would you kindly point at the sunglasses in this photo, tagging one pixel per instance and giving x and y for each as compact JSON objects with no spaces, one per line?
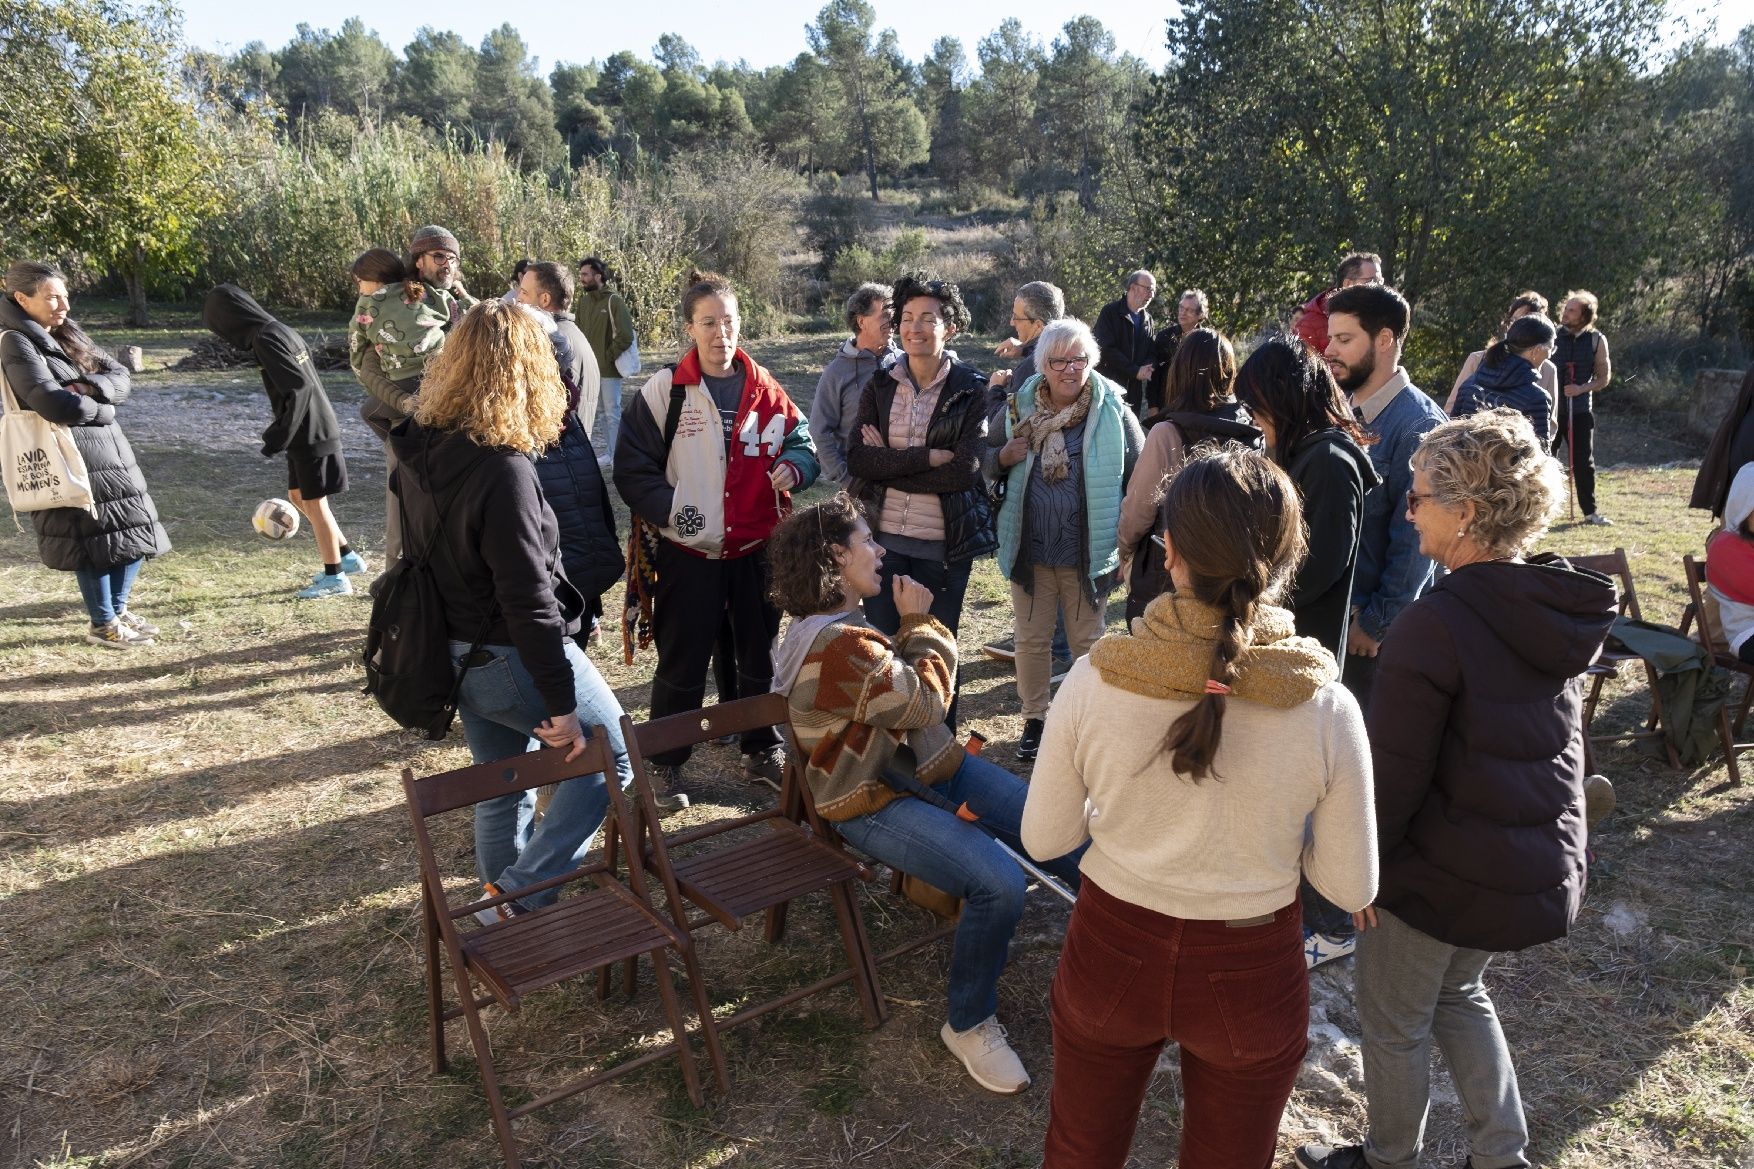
{"x":1414,"y":499}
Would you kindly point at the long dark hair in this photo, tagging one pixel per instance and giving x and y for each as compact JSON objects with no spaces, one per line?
{"x":1288,"y":382}
{"x":26,"y":277}
{"x":1203,"y":373}
{"x":1236,"y":524}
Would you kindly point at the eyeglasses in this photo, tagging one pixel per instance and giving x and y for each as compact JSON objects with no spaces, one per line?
{"x":1414,"y":499}
{"x":1059,"y":363}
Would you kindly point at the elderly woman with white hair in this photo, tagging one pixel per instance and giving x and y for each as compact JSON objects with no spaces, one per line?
{"x":1071,"y":443}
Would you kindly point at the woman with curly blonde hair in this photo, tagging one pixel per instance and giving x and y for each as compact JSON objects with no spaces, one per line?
{"x":1476,"y":745}
{"x":473,"y":510}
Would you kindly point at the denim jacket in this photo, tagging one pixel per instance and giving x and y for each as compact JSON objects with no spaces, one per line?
{"x":1391,"y":572}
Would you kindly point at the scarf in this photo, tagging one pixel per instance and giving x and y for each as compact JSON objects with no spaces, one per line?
{"x":1168,"y":654}
{"x":1045,"y":425}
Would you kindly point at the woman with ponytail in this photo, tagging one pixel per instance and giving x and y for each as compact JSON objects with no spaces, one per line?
{"x":1188,"y":926}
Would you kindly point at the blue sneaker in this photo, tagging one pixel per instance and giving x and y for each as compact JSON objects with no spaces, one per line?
{"x":353,"y":562}
{"x":324,"y":585}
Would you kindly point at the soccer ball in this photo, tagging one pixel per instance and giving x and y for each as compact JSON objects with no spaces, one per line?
{"x":276,"y":519}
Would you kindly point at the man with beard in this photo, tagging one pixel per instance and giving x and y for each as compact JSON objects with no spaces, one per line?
{"x":1367,"y":325}
{"x":1580,"y":354}
{"x":603,"y":317}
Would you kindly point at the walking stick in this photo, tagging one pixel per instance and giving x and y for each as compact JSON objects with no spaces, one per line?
{"x":1570,"y":446}
{"x":900,"y":776}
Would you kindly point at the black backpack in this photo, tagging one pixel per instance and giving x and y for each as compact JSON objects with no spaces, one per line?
{"x":408,"y":665}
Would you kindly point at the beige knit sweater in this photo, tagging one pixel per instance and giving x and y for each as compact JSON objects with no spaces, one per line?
{"x":1291,"y":793}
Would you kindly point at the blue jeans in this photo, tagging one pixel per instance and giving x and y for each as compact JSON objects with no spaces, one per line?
{"x":948,"y":582}
{"x":962,"y":860}
{"x":500,"y":706}
{"x":106,"y":590}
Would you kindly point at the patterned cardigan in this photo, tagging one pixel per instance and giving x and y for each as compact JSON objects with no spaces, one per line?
{"x":858,"y":697}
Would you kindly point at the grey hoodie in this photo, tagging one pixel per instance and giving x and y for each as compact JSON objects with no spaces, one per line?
{"x":834,"y":412}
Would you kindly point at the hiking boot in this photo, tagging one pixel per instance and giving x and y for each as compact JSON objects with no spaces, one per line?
{"x":504,"y":911}
{"x":767,"y":767}
{"x":1598,"y":519}
{"x":1030,"y":743}
{"x":1004,"y":650}
{"x":143,"y":628}
{"x":352,"y":563}
{"x":324,"y":585}
{"x":667,"y":788}
{"x":986,"y":1053}
{"x":115,"y":635}
{"x":1332,"y":1157}
{"x":1598,"y":799}
{"x":1320,"y":948}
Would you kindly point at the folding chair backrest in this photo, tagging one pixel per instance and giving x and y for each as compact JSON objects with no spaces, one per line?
{"x":1615,"y":565}
{"x":673,"y":732}
{"x":1707,"y":628}
{"x":449,"y":790}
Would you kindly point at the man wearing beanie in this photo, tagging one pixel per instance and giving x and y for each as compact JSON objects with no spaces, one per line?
{"x":436,"y":260}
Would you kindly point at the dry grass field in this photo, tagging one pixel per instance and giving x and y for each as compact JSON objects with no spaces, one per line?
{"x":210,"y":953}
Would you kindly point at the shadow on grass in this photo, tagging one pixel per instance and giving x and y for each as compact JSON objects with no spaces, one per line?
{"x":155,"y":662}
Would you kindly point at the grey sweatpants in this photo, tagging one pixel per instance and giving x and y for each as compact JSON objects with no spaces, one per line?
{"x":1412,"y":989}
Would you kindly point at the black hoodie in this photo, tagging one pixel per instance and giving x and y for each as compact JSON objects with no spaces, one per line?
{"x":304,"y":422}
{"x":1476,"y":739}
{"x":500,"y":543}
{"x":1333,"y":474}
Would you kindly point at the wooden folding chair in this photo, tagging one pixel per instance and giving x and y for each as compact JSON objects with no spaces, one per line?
{"x":1711,"y":638}
{"x":776,"y":854}
{"x":1616,"y":566}
{"x":604,"y":923}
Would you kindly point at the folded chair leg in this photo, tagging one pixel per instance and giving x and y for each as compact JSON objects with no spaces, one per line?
{"x":859,"y":957}
{"x":709,"y":1026}
{"x":678,"y":1027}
{"x":776,"y":922}
{"x":1742,"y":711}
{"x":1729,"y":740}
{"x":502,"y":1123}
{"x":435,"y":1002}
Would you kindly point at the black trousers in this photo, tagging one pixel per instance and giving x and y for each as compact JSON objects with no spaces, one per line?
{"x":694,"y":599}
{"x":1582,"y":457}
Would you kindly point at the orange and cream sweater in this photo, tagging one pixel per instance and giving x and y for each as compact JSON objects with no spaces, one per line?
{"x":857,"y":696}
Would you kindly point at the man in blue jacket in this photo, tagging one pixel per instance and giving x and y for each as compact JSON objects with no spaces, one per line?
{"x":1367,"y":325}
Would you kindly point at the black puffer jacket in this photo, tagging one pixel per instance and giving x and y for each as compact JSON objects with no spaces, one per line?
{"x":958,"y":425}
{"x":572,"y":482}
{"x":1476,"y":739}
{"x":126,"y":526}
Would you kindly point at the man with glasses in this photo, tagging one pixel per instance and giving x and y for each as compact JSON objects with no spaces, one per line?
{"x":1124,"y":334}
{"x":437,"y":260}
{"x":1190,"y":314}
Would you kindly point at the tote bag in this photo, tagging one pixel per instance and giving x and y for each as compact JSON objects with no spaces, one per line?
{"x":43,"y":467}
{"x":628,"y":363}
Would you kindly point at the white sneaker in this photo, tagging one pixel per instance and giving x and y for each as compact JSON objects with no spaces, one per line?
{"x":986,"y":1053}
{"x":1320,"y":948}
{"x":115,"y":635}
{"x":1598,"y":519}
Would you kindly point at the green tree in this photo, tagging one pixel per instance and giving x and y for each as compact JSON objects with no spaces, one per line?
{"x":437,"y":81}
{"x":1083,"y":100}
{"x":801,"y":119}
{"x":512,"y":103}
{"x":580,"y":120}
{"x":943,"y":83}
{"x":1474,"y":143}
{"x":351,"y":71}
{"x":106,"y":160}
{"x":886,"y":125}
{"x":1001,"y":103}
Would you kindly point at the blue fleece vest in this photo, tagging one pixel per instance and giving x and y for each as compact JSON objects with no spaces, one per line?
{"x":1105,"y":463}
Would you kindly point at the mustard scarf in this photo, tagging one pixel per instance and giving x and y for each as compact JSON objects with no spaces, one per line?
{"x":1168,"y":654}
